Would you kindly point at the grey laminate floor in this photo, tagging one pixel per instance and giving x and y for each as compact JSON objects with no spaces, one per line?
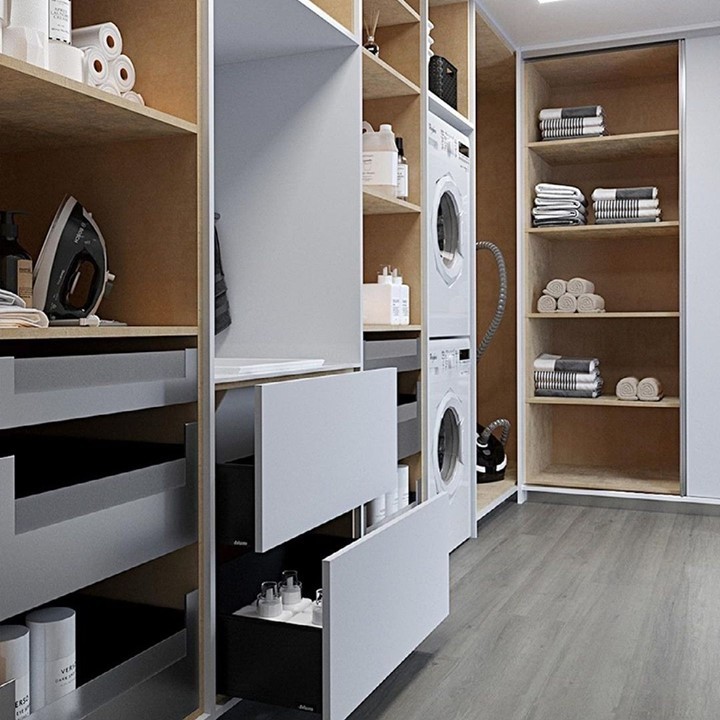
{"x":567,"y":613}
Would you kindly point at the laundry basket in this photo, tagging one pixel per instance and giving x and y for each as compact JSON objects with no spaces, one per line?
{"x":443,"y":80}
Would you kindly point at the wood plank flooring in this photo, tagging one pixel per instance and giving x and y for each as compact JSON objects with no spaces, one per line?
{"x":567,"y":613}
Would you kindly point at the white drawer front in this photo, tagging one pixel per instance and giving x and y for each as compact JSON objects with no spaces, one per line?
{"x":383,"y":595}
{"x":323,"y":446}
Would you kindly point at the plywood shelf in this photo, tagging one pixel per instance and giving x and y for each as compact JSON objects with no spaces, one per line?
{"x":392,"y":12}
{"x":42,"y":109}
{"x":449,"y":114}
{"x":608,"y":479}
{"x":380,"y":80}
{"x":601,"y":316}
{"x":107,"y":332}
{"x":374,"y":203}
{"x":607,"y":401}
{"x":620,"y":231}
{"x":488,"y":496}
{"x":391,"y":328}
{"x":608,"y":148}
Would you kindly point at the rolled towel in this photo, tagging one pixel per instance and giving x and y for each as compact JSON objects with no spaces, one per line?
{"x":546,"y":304}
{"x":555,"y":288}
{"x":580,"y":286}
{"x":627,"y":388}
{"x":591,"y":303}
{"x":567,"y":303}
{"x":650,"y":389}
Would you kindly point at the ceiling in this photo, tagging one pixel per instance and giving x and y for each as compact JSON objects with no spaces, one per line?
{"x":527,"y":23}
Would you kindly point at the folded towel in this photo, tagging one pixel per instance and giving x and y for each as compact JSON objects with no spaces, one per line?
{"x":546,"y":304}
{"x":574,"y":134}
{"x":579,"y":286}
{"x":555,"y":288}
{"x":570,"y":112}
{"x":544,"y":213}
{"x":620,"y":221}
{"x":649,"y":213}
{"x":558,"y":222}
{"x":650,"y":389}
{"x":18,"y":317}
{"x":629,"y":205}
{"x":591,"y":303}
{"x":10,"y":299}
{"x":572,"y":123}
{"x":569,"y":393}
{"x":559,"y":191}
{"x":560,"y":204}
{"x":635,"y":193}
{"x":561,"y":380}
{"x":557,"y":363}
{"x":627,"y":388}
{"x":567,"y":303}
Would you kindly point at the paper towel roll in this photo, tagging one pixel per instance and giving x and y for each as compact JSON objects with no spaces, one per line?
{"x":26,"y":44}
{"x":110,"y":88}
{"x":105,"y":37}
{"x":66,"y":60}
{"x":33,"y":14}
{"x":122,"y":73}
{"x":132,"y":96}
{"x":96,"y":69}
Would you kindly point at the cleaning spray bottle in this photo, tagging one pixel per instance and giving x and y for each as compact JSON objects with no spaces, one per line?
{"x":16,"y":271}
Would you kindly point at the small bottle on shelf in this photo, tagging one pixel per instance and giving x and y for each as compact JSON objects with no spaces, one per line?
{"x":402,"y":191}
{"x":403,"y":294}
{"x":16,"y":268}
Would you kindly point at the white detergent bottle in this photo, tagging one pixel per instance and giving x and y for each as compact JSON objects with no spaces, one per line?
{"x":380,"y":159}
{"x":403,"y":294}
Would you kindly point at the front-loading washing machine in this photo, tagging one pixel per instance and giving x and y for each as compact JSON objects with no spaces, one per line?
{"x":450,"y":255}
{"x":450,"y":464}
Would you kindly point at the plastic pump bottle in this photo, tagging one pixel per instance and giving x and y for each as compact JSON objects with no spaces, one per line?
{"x":380,"y":159}
{"x":402,"y":190}
{"x":403,"y":293}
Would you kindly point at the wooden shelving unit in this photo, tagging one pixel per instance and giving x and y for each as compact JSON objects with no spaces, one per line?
{"x":392,"y":328}
{"x":106,"y":332}
{"x":639,"y":277}
{"x":392,"y":12}
{"x":375,"y":203}
{"x":380,"y":80}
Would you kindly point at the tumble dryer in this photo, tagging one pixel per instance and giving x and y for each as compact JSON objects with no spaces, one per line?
{"x":450,"y":255}
{"x":451,"y":462}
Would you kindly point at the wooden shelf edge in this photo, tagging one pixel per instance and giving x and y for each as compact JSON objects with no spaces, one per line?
{"x":83,"y":333}
{"x":600,"y":316}
{"x":604,"y":139}
{"x":396,"y":79}
{"x":450,"y":115}
{"x":392,"y":328}
{"x":606,"y":479}
{"x":375,"y":203}
{"x":607,"y":401}
{"x":79,"y":88}
{"x":665,"y":228}
{"x":403,"y":15}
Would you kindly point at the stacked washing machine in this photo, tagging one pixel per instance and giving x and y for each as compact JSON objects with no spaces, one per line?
{"x":449,"y":302}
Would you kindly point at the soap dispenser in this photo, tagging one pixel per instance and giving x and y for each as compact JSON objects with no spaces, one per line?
{"x":269,"y":604}
{"x":290,"y":589}
{"x":403,"y":293}
{"x":16,"y":270}
{"x":381,"y":300}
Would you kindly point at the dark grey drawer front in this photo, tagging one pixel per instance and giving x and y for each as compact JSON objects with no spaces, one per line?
{"x":404,"y":355}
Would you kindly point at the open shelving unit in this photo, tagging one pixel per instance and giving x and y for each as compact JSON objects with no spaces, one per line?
{"x":636,"y":268}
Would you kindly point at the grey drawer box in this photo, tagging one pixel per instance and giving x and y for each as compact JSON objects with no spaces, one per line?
{"x":404,"y":355}
{"x":409,"y":430}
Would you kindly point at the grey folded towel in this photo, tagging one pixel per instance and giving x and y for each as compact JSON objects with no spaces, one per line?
{"x":569,"y":393}
{"x":574,"y":134}
{"x":570,"y":112}
{"x":557,"y":363}
{"x":629,"y":205}
{"x":560,"y":204}
{"x":558,"y":222}
{"x":620,"y":221}
{"x":649,"y":213}
{"x":634,"y":193}
{"x":568,"y":123}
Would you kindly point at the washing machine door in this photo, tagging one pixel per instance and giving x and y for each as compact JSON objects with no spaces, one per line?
{"x":448,"y":453}
{"x":447,"y":226}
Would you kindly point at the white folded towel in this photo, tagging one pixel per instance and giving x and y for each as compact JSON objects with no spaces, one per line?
{"x":570,"y":112}
{"x":559,"y":191}
{"x":546,"y":304}
{"x":591,"y":303}
{"x":639,"y":213}
{"x":650,"y":389}
{"x":580,"y":286}
{"x":555,"y":288}
{"x":564,"y":123}
{"x":567,"y":303}
{"x":627,"y":388}
{"x":10,"y":299}
{"x":634,"y":193}
{"x":17,"y":317}
{"x":565,"y":204}
{"x":580,"y":132}
{"x":604,"y":205}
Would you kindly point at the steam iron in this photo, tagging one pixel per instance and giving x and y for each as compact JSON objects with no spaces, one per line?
{"x":491,"y":457}
{"x":71,"y":275}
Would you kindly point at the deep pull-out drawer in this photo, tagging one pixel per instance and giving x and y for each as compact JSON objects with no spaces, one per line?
{"x":320,"y":446}
{"x":383,"y":595}
{"x":409,"y":430}
{"x":50,"y":389}
{"x":403,"y":355}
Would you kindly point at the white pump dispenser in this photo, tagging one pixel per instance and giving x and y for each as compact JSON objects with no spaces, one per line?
{"x":290,"y":589}
{"x":382,"y":300}
{"x":403,"y":295}
{"x":269,"y":604}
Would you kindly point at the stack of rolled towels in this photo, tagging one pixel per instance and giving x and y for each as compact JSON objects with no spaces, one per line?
{"x":105,"y":66}
{"x":626,"y":205}
{"x":648,"y":389}
{"x":570,"y":377}
{"x":558,"y":205}
{"x":570,"y":296}
{"x":572,"y":122}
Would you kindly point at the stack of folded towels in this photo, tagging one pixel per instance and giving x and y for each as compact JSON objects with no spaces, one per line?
{"x":559,"y":205}
{"x":15,"y":314}
{"x":571,"y":377}
{"x":648,"y":389}
{"x":572,"y":122}
{"x":626,"y":205}
{"x":571,"y":296}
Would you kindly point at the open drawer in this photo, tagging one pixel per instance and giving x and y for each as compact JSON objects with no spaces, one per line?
{"x":105,"y":507}
{"x":312,"y":450}
{"x":50,"y":389}
{"x":382,"y":596}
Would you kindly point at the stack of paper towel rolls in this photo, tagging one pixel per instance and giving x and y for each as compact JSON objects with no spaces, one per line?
{"x":105,"y":66}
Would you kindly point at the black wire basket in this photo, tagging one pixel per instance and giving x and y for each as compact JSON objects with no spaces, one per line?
{"x":443,"y":80}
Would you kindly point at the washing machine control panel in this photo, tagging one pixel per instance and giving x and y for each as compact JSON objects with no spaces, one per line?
{"x":456,"y":361}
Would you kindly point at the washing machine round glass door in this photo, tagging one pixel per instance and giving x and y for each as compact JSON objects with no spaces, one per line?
{"x":448,"y":451}
{"x":447,"y":227}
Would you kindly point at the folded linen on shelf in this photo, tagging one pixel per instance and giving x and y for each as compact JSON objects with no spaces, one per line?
{"x":546,"y":304}
{"x":557,"y":363}
{"x":558,"y":222}
{"x":551,"y":190}
{"x":555,"y":288}
{"x":558,"y":385}
{"x":634,"y":193}
{"x":572,"y":134}
{"x":579,"y":286}
{"x":570,"y":112}
{"x":567,"y":303}
{"x":559,"y":203}
{"x":10,"y":299}
{"x":567,"y":380}
{"x":649,"y":213}
{"x":569,"y":393}
{"x":591,"y":303}
{"x":544,"y":213}
{"x":18,"y":317}
{"x":572,"y":122}
{"x":628,"y":220}
{"x":627,"y":388}
{"x":650,"y":389}
{"x":630,"y":206}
